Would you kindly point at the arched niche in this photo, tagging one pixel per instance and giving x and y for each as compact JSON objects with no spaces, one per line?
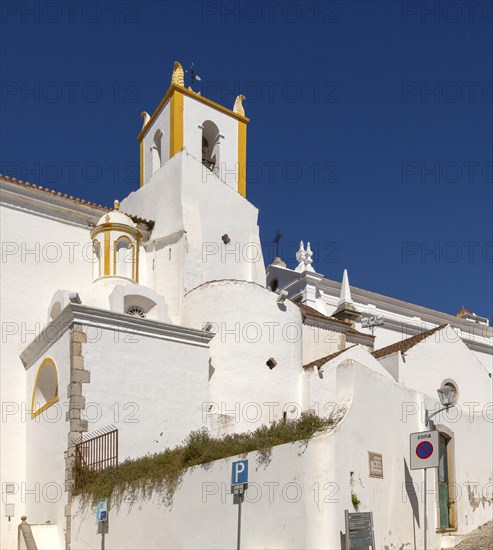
{"x":140,"y":301}
{"x":140,"y":306}
{"x":157,"y":151}
{"x":124,"y":258}
{"x":45,"y":391}
{"x":96,"y":260}
{"x":211,"y":154}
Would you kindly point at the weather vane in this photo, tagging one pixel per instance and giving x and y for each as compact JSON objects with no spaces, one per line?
{"x":276,"y":240}
{"x":193,"y":75}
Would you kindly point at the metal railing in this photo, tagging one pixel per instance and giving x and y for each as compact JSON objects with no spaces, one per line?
{"x":94,"y":454}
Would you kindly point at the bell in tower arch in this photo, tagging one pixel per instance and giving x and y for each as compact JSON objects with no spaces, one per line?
{"x":211,"y":146}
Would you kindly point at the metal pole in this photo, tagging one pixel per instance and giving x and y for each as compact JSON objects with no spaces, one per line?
{"x":425,"y":516}
{"x":239,"y":524}
{"x":102,"y":535}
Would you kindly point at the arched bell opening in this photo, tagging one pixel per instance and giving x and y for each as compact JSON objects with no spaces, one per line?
{"x":210,"y":146}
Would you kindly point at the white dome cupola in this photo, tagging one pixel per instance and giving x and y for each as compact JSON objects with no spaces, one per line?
{"x":116,"y":240}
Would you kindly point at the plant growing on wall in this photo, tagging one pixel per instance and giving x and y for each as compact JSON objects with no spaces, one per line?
{"x":355,"y":500}
{"x":163,"y":471}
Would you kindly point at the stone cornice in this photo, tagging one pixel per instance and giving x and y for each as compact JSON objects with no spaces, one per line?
{"x":110,"y":320}
{"x":334,"y":325}
{"x":406,"y":309}
{"x":410,"y":328}
{"x":474,"y":334}
{"x":49,"y":205}
{"x":54,"y":206}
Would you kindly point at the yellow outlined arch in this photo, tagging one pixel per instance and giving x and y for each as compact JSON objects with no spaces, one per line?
{"x":115,"y":245}
{"x":51,"y":362}
{"x":97,"y":244}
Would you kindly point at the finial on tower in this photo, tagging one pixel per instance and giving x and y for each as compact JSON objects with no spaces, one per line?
{"x":345,"y":295}
{"x":146,"y":118}
{"x":345,"y":308}
{"x":308,"y":258}
{"x":300,"y":257}
{"x":178,"y":76}
{"x":238,"y":106}
{"x":116,"y":205}
{"x":304,"y":258}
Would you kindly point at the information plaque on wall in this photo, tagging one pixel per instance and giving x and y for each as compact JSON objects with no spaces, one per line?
{"x":375,"y":463}
{"x":359,"y":530}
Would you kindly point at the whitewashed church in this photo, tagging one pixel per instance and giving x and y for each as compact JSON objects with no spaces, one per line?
{"x":158,"y":317}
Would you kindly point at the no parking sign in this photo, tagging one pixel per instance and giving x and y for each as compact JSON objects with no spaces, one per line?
{"x":424,"y":450}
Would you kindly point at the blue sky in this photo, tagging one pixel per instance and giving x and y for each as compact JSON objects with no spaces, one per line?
{"x":370,"y":131}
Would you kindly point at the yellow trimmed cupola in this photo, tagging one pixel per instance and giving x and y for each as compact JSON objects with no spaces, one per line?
{"x":116,"y":240}
{"x":211,"y":133}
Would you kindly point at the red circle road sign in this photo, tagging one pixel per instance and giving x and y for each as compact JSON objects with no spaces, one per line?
{"x":424,"y":450}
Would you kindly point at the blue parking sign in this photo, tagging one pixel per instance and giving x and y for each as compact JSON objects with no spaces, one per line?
{"x":239,"y":474}
{"x":102,"y":510}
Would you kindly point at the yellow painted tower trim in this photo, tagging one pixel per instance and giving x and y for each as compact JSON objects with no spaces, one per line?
{"x":175,"y":98}
{"x":176,"y":123}
{"x":121,"y":238}
{"x":141,"y":154}
{"x":184,"y":91}
{"x":107,"y":251}
{"x":47,"y":361}
{"x":137,"y":246}
{"x":242,"y":158}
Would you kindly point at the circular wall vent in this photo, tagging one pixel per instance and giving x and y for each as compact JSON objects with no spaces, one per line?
{"x":136,"y":311}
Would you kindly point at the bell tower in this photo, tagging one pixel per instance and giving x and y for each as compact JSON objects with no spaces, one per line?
{"x":210,"y":132}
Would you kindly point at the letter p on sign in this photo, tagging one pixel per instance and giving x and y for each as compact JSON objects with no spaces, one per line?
{"x":239,"y":474}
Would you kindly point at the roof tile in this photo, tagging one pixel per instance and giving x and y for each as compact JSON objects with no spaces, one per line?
{"x":314,"y":313}
{"x":22,"y":183}
{"x":53,"y":192}
{"x":406,"y":344}
{"x":320,"y":362}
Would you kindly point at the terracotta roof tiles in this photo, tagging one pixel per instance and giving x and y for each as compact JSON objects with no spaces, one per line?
{"x":76,"y":200}
{"x":53,"y":192}
{"x":406,"y":344}
{"x":320,"y":362}
{"x":314,"y":313}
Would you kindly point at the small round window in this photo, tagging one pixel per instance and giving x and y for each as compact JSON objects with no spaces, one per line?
{"x":136,"y":311}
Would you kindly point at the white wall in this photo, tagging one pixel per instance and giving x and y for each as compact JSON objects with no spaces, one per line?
{"x":297,"y":498}
{"x":162,"y":123}
{"x":160,"y":200}
{"x":46,"y":437}
{"x":401,"y":319}
{"x":319,"y":342}
{"x":194,"y":115}
{"x":151,"y":389}
{"x":443,"y":356}
{"x":251,"y":327}
{"x":28,"y":284}
{"x":211,"y":209}
{"x":191,"y":215}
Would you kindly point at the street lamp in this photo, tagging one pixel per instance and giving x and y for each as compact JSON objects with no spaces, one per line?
{"x":448,"y":395}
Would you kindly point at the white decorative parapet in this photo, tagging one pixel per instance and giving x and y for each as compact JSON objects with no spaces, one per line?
{"x":304,"y":258}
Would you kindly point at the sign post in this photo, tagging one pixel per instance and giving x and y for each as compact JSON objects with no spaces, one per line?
{"x":424,"y":455}
{"x":239,"y":484}
{"x":102,"y":518}
{"x":359,"y":530}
